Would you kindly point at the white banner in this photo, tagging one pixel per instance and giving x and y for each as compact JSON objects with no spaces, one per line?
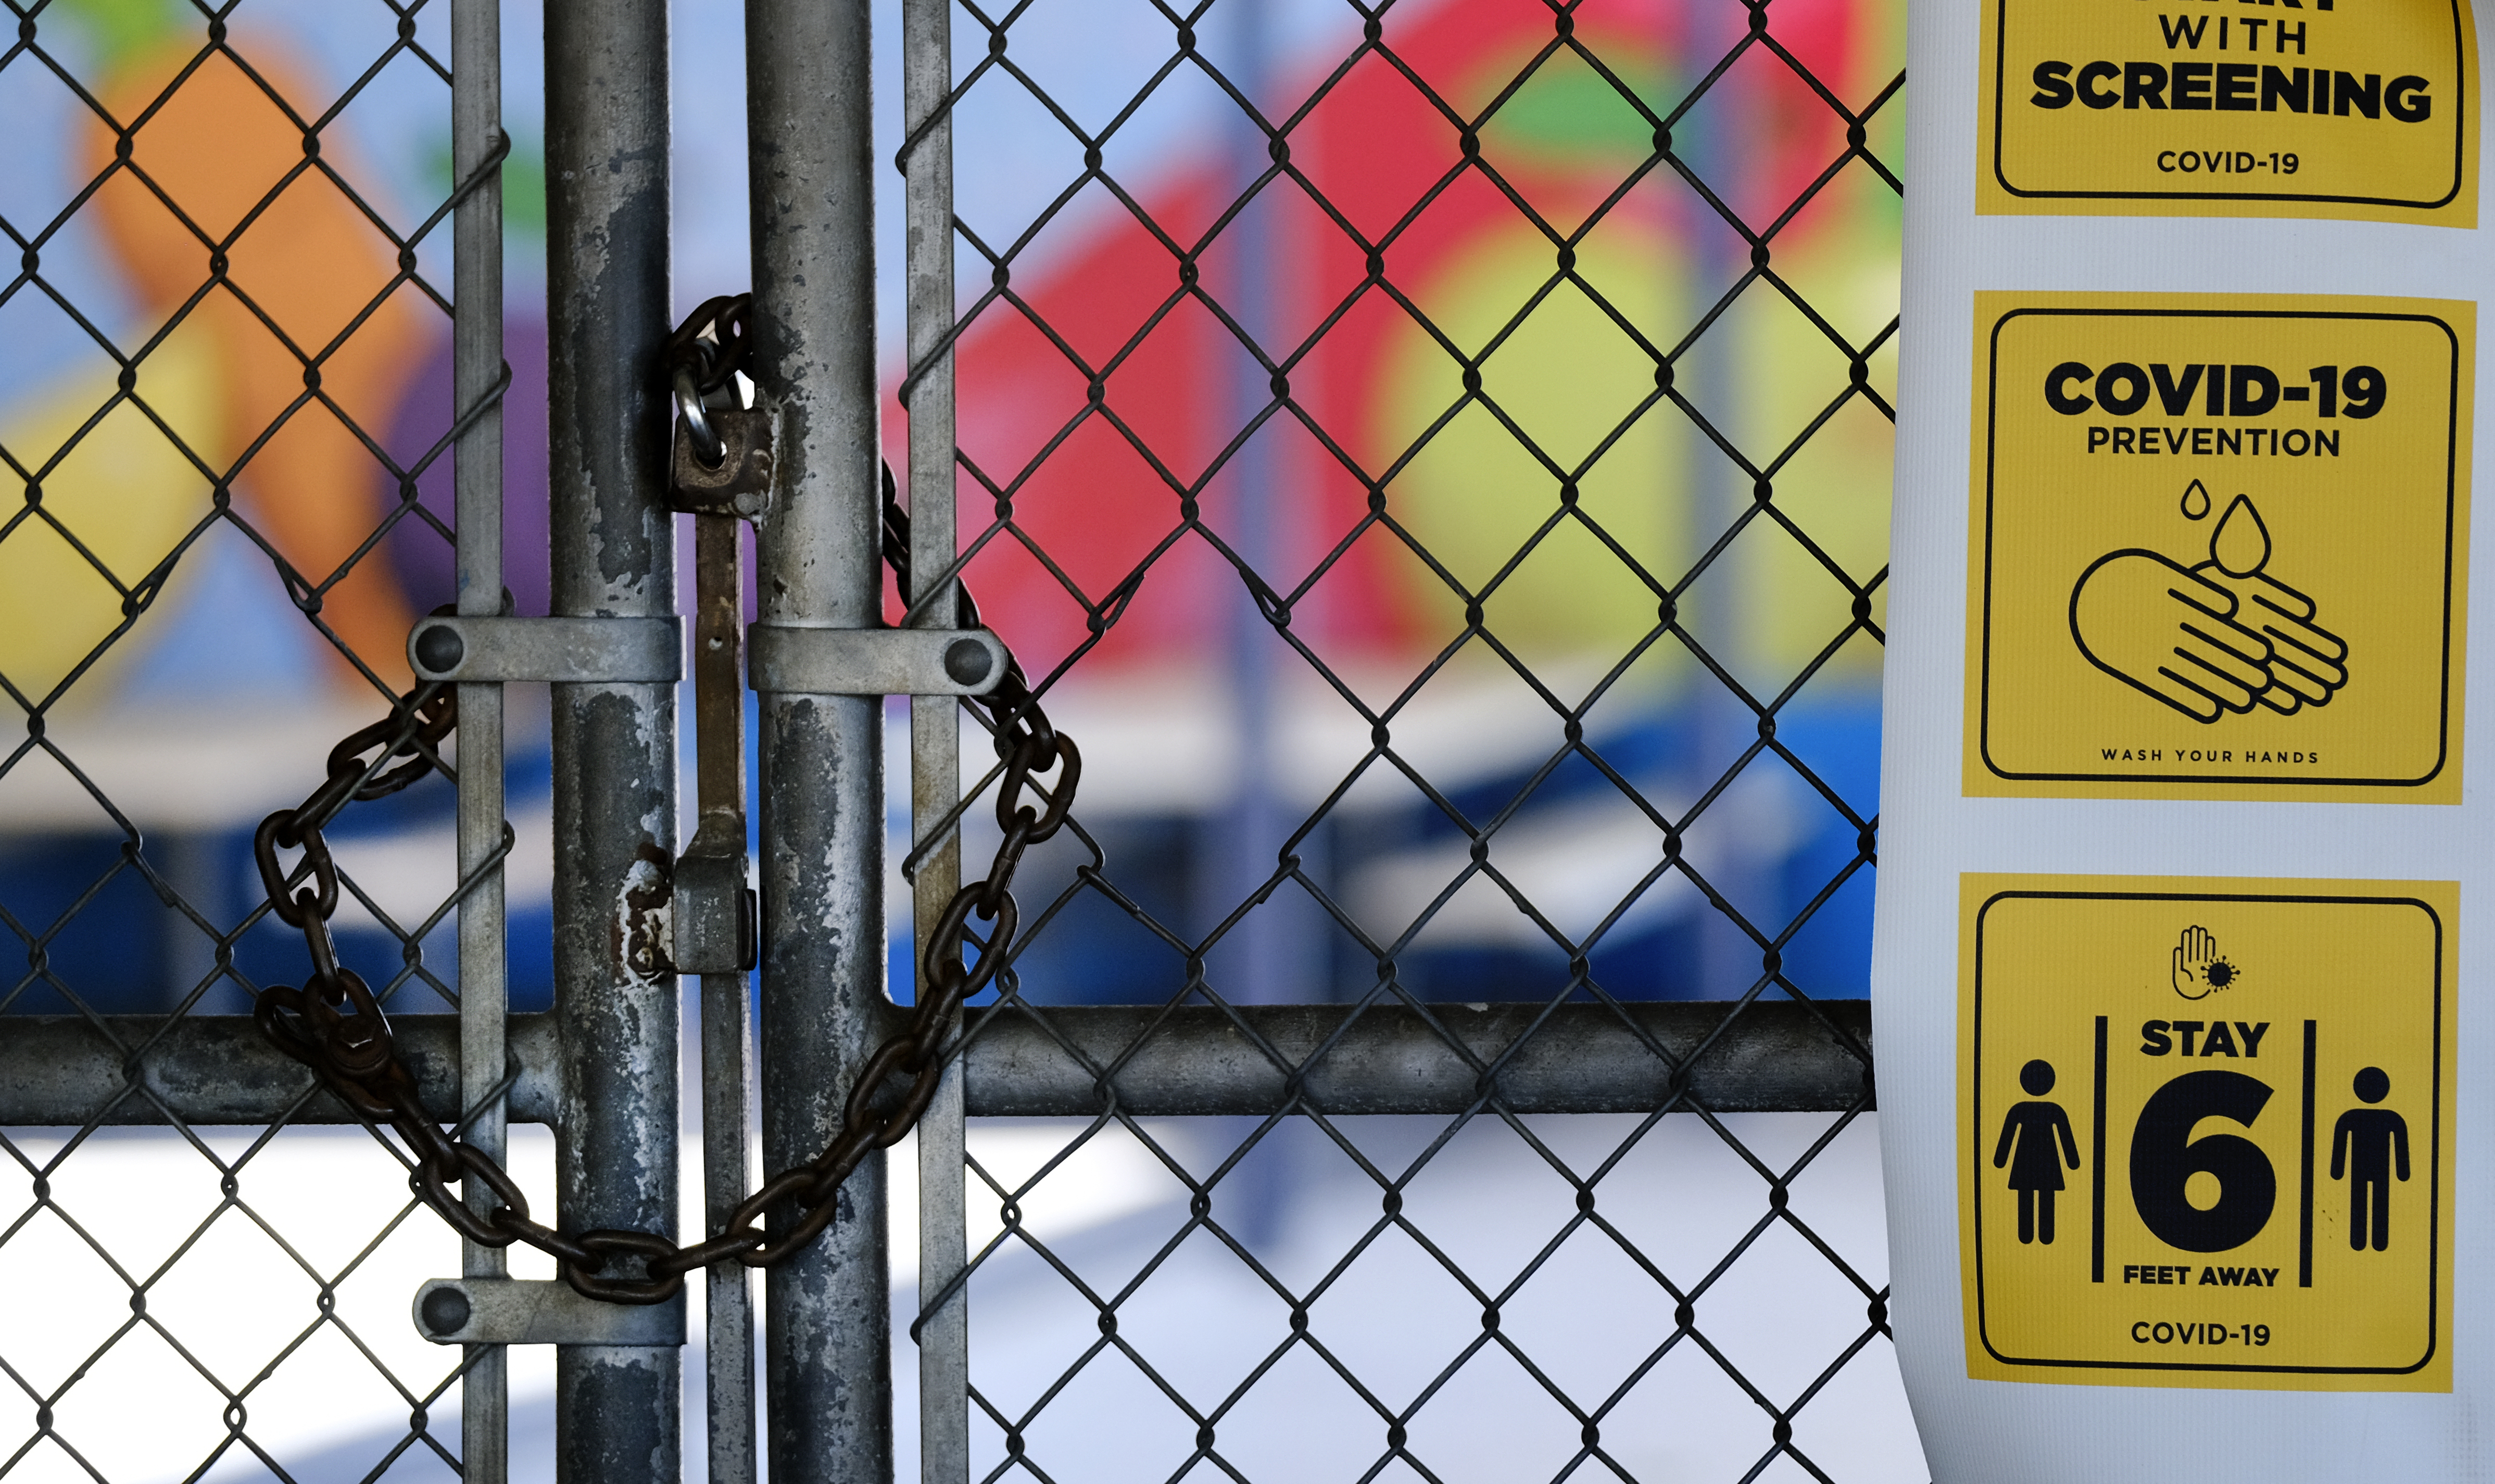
{"x":2180,"y":883}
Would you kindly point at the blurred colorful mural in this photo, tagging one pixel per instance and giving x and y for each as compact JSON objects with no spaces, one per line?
{"x":1402,"y":369}
{"x":1454,"y":468}
{"x":226,"y":385}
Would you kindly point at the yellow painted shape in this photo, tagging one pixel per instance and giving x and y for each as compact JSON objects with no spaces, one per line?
{"x":303,"y":270}
{"x":124,"y":491}
{"x":2234,"y":129}
{"x":1836,"y":486}
{"x":1567,"y":377}
{"x":2110,"y":650}
{"x":2205,"y":1269}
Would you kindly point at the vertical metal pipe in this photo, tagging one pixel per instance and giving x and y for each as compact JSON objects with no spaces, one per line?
{"x":811,"y":154}
{"x":1276,"y":952}
{"x":1258,"y":961}
{"x":1729,"y":961}
{"x":935,"y":721}
{"x":476,"y":382}
{"x":726,"y":1032}
{"x":616,"y":1408}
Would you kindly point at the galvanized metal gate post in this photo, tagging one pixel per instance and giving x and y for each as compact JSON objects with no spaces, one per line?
{"x":476,"y":147}
{"x":617,"y":1407}
{"x":821,"y":869}
{"x":944,"y":1332}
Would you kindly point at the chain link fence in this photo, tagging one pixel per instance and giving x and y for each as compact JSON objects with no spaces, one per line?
{"x":1450,"y":505}
{"x":1433,"y":459}
{"x":226,"y":418}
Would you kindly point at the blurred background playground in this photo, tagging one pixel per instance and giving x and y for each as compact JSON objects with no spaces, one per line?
{"x":216,"y":558}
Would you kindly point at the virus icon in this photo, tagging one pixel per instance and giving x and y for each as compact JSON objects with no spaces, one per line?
{"x":2199,"y":967}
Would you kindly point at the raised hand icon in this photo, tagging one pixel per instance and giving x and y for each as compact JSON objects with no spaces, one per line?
{"x":2194,"y":952}
{"x":2170,"y":632}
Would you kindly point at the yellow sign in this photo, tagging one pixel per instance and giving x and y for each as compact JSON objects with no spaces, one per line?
{"x":2188,"y":107}
{"x":2202,"y":1132}
{"x":2219,"y":547}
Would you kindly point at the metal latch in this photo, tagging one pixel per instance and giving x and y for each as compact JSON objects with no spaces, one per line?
{"x":713,"y":907}
{"x":648,"y":652}
{"x":873,"y":662}
{"x":529,"y":1311}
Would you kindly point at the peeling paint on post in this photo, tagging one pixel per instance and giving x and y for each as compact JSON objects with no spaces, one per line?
{"x":617,"y":1407}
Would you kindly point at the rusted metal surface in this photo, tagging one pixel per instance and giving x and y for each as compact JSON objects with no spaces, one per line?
{"x":726,"y":1011}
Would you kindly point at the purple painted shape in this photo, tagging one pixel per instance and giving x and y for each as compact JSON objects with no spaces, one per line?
{"x":417,"y":553}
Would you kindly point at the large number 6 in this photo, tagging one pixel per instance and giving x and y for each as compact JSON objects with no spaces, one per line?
{"x":2163,"y":1156}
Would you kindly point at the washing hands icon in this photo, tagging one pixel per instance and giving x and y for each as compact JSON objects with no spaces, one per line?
{"x":2220,"y":637}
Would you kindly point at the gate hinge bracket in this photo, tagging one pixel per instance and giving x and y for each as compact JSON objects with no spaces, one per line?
{"x":614,"y":651}
{"x":873,"y":662}
{"x":536,"y":1311}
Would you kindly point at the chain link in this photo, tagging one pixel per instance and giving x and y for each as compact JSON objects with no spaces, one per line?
{"x":335,"y":1025}
{"x":698,"y":368}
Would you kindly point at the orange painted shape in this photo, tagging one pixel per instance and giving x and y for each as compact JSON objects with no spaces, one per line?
{"x":209,"y":146}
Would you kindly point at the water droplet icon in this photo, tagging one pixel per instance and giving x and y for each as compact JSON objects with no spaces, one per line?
{"x":2240,"y":545}
{"x":2196,"y":501}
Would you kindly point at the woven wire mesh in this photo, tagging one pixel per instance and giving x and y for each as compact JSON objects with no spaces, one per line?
{"x":1270,"y":911}
{"x":222,"y":291}
{"x":1625,"y":502}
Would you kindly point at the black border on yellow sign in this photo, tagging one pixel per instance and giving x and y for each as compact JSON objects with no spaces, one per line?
{"x":2461,"y":127}
{"x":2450,"y":513}
{"x":2434,"y":1195}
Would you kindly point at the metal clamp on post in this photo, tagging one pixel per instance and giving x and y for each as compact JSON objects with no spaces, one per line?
{"x":522,"y":1311}
{"x":874,"y":662}
{"x":648,"y":652}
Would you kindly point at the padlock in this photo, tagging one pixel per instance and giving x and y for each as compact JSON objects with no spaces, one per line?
{"x":739,"y":484}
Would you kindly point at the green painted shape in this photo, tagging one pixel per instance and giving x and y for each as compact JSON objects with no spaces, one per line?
{"x":118,"y":29}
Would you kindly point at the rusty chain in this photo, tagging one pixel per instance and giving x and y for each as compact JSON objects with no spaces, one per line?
{"x":336,"y":1024}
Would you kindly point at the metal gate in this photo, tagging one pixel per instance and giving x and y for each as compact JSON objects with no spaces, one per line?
{"x":1458,"y":1021}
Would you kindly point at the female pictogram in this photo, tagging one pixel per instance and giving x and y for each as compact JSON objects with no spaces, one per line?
{"x":2039,"y":1135}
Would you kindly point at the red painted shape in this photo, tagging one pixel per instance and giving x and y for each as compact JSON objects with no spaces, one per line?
{"x":1106,"y":485}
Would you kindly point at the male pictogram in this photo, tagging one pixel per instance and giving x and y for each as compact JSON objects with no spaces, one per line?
{"x":2039,"y":1133}
{"x":2366,"y":1147}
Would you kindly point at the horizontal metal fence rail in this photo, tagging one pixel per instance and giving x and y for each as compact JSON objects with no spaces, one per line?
{"x":1153,"y":1061}
{"x":64,"y":1070}
{"x":119,"y":1070}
